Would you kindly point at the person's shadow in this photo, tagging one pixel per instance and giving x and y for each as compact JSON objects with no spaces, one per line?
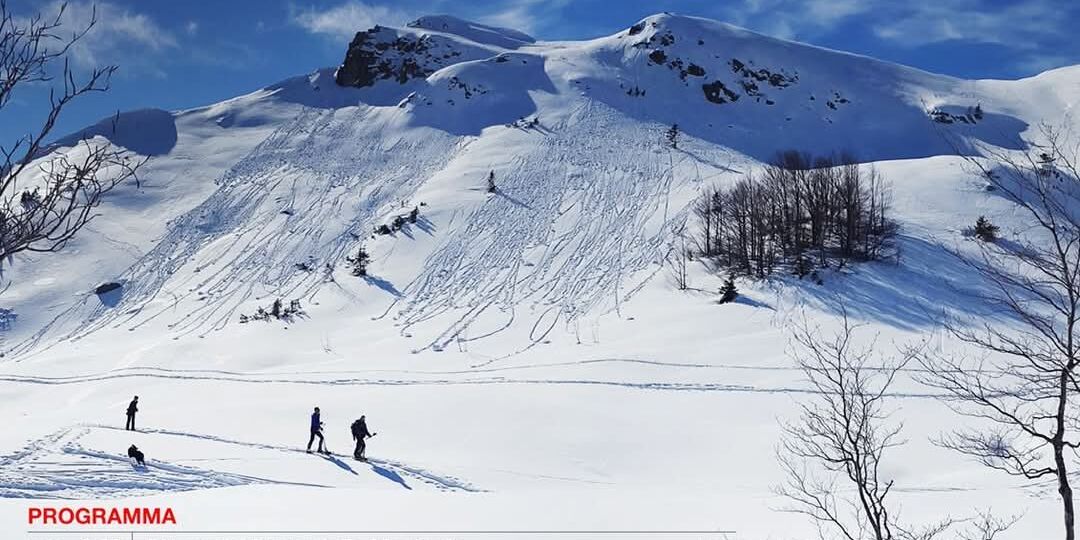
{"x":389,"y":475}
{"x":332,"y":459}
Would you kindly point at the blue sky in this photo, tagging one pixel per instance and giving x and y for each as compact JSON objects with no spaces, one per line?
{"x":176,"y":55}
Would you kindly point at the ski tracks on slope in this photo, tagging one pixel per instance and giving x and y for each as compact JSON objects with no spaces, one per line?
{"x":294,"y":204}
{"x":593,"y":219}
{"x":439,"y":482}
{"x":58,"y":467}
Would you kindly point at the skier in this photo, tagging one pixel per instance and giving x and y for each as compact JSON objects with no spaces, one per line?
{"x":316,"y":431}
{"x":134,"y":452}
{"x":133,"y":408}
{"x":360,"y":432}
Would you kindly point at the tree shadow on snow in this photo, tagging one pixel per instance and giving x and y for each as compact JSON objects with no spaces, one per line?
{"x":747,"y":301}
{"x":425,"y":224}
{"x":422,"y":223}
{"x":112,"y":297}
{"x":929,"y":283}
{"x":516,"y":202}
{"x":382,"y":284}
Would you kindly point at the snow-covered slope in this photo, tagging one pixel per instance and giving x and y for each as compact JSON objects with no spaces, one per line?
{"x":524,"y":343}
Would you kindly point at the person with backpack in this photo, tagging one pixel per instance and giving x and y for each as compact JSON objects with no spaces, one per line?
{"x":134,"y":452}
{"x":316,"y":431}
{"x":360,"y":432}
{"x":133,"y":408}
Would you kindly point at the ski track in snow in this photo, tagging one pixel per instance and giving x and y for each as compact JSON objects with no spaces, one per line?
{"x":58,"y":467}
{"x":257,"y":378}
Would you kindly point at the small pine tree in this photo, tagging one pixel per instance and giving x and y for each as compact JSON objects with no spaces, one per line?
{"x":360,"y":262}
{"x":978,"y":114}
{"x":30,"y":199}
{"x":672,"y":135}
{"x":275,"y":310}
{"x":491,"y":182}
{"x":414,"y":214}
{"x":728,"y":293}
{"x":985,"y":230}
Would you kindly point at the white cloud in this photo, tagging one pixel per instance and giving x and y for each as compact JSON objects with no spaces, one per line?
{"x":522,"y":15}
{"x":191,"y":28}
{"x":1021,"y":25}
{"x":119,"y":36}
{"x":345,"y":20}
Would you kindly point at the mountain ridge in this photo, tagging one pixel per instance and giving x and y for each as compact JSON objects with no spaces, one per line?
{"x":547,"y":118}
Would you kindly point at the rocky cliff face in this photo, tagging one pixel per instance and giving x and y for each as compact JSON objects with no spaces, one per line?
{"x":425,"y":46}
{"x":387,"y":54}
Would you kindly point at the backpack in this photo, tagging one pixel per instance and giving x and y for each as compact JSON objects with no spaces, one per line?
{"x":356,"y":428}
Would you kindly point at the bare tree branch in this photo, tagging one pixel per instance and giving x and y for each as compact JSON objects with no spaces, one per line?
{"x":842,"y":435}
{"x":47,"y":197}
{"x":1024,"y":388}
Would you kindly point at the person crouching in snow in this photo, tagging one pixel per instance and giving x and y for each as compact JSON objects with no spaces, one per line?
{"x":134,"y":452}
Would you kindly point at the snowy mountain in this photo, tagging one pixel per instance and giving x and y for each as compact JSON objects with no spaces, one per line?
{"x":518,"y":342}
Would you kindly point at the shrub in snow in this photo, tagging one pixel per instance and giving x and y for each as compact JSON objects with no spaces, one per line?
{"x":672,"y":135}
{"x":985,"y":230}
{"x":491,"y":182}
{"x":7,"y":319}
{"x":729,"y":292}
{"x":277,"y":311}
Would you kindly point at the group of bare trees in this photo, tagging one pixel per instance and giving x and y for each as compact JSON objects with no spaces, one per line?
{"x":801,"y":212}
{"x":45,"y":200}
{"x":1015,"y":378}
{"x":836,"y":453}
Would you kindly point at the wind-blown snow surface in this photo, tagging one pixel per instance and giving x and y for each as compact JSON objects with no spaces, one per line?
{"x":523,"y":354}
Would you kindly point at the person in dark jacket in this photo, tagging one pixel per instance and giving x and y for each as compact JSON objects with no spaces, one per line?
{"x":316,"y":431}
{"x":360,"y":432}
{"x":133,"y":408}
{"x":134,"y":452}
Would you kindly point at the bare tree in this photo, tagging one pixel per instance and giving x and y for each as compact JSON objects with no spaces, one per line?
{"x":1024,"y":389}
{"x":833,"y":454}
{"x":45,"y":205}
{"x":678,"y":260}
